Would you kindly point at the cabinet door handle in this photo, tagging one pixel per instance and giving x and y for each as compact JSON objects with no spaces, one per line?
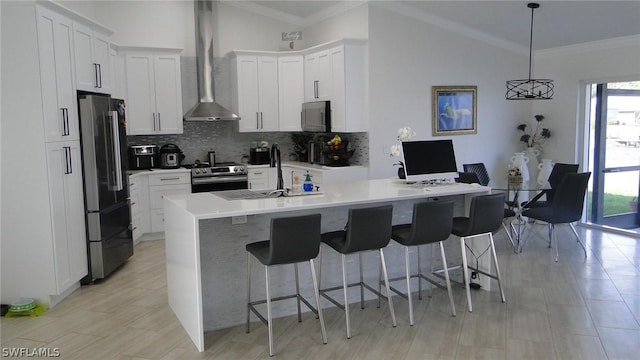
{"x":68,"y":169}
{"x":159,"y":123}
{"x":100,"y":75}
{"x":95,"y":72}
{"x":261,"y":121}
{"x":170,"y":179}
{"x":154,"y":121}
{"x":65,"y":122}
{"x":257,"y":121}
{"x":315,"y":88}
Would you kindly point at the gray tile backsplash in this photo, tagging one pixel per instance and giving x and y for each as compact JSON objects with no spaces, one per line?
{"x":223,"y":137}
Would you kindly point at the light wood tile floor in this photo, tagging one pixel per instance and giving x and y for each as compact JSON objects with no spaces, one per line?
{"x":574,"y":309}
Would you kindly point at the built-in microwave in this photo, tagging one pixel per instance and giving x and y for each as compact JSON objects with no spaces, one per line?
{"x":316,"y":116}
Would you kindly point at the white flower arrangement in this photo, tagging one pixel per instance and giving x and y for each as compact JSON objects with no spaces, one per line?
{"x":405,"y":133}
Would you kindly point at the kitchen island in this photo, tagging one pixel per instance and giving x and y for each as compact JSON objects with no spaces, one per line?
{"x":206,"y":235}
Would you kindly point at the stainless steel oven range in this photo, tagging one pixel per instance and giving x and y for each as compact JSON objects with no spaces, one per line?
{"x":221,"y":176}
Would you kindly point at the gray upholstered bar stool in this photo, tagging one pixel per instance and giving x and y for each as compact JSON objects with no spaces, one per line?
{"x":485,"y":217}
{"x":293,"y":240}
{"x":367,"y":229}
{"x":431,"y":224}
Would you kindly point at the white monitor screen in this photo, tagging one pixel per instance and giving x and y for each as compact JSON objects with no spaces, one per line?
{"x":431,"y":160}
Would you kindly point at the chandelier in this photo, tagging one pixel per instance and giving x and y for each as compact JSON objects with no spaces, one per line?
{"x":530,"y":89}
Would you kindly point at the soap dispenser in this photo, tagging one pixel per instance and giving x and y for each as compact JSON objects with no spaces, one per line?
{"x":307,"y":185}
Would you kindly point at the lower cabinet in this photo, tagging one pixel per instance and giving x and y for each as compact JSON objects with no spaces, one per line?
{"x":139,"y":203}
{"x":67,"y":210}
{"x":146,"y":192}
{"x":262,"y":178}
{"x":159,"y":187}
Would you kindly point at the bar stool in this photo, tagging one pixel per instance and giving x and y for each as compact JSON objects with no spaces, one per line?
{"x":293,"y":240}
{"x":367,"y":229}
{"x":431,"y":224}
{"x":485,"y":217}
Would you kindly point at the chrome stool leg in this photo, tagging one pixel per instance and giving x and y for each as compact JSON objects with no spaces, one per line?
{"x":346,"y":299}
{"x":406,"y":262}
{"x":465,"y":273}
{"x":317,"y":294}
{"x":295,"y":266}
{"x":419,"y":273}
{"x":446,"y":277}
{"x":269,"y":319}
{"x":495,"y":263}
{"x":386,"y":282}
{"x":248,"y":288}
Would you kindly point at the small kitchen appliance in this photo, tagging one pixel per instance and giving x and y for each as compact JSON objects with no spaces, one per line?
{"x":316,"y":116}
{"x":143,"y":157}
{"x":316,"y":152}
{"x":212,"y":158}
{"x":259,"y":156}
{"x":170,"y":156}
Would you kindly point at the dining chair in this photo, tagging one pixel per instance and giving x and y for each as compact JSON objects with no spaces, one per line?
{"x":557,"y":174}
{"x":566,"y":207}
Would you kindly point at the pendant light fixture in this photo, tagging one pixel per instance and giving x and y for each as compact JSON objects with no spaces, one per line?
{"x":530,"y":89}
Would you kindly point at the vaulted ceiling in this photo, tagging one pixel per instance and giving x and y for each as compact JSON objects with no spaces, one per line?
{"x":556,"y":23}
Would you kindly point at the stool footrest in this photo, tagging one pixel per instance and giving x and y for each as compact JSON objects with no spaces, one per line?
{"x":483,"y":272}
{"x":252,"y":304}
{"x":341,"y":306}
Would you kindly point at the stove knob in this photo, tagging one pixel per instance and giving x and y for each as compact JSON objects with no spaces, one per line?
{"x":197,"y":171}
{"x":204,"y":171}
{"x":241,"y":169}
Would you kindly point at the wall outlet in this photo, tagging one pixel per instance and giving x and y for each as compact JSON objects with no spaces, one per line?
{"x":239,"y":219}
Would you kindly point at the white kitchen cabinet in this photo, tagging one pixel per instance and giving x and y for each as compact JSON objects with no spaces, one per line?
{"x":290,"y":91}
{"x":139,"y":205}
{"x":255,"y":92}
{"x":66,"y":197}
{"x":338,"y":74}
{"x":91,"y":49}
{"x":317,"y":76}
{"x":55,"y":49}
{"x":154,"y":93}
{"x":160,"y":185}
{"x":261,"y":178}
{"x":118,"y":76}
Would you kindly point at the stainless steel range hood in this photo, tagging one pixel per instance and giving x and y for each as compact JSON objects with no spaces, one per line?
{"x":206,"y":109}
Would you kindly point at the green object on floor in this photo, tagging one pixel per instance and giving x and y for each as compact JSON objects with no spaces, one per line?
{"x":25,"y":307}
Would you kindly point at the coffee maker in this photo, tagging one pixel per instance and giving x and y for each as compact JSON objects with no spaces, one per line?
{"x":315,"y":152}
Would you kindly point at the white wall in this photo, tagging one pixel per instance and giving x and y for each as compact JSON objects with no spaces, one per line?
{"x":406,"y":58}
{"x":349,"y":24}
{"x":570,"y":68}
{"x":243,"y":30}
{"x":143,"y":23}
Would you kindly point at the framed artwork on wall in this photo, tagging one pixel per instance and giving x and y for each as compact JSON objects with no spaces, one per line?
{"x":453,"y":110}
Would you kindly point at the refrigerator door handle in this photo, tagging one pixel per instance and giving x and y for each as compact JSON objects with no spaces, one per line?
{"x":117,"y":163}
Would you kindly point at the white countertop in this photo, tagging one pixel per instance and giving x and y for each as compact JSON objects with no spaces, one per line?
{"x":158,"y":171}
{"x":209,"y":205}
{"x":306,"y":165}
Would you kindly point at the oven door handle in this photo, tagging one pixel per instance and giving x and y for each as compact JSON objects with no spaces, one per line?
{"x":218,"y":179}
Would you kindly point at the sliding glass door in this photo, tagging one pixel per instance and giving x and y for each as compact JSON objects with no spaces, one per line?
{"x":614,"y":154}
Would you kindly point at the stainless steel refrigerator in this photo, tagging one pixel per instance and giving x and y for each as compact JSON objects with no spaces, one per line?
{"x":104,"y":159}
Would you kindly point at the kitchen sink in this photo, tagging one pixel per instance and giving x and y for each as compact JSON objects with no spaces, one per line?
{"x":245,"y":194}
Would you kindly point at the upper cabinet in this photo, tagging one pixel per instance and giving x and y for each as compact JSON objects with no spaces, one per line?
{"x":290,"y":91}
{"x":92,"y":59}
{"x":317,"y":76}
{"x":255,"y":92}
{"x":153,"y":92}
{"x":55,"y":48}
{"x":338,"y":74}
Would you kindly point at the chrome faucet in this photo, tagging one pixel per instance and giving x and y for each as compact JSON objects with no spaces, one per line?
{"x":276,"y":161}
